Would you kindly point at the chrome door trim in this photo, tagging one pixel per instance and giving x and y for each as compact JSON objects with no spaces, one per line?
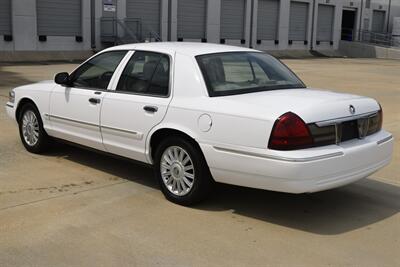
{"x":137,"y":135}
{"x":306,"y":159}
{"x":70,"y":120}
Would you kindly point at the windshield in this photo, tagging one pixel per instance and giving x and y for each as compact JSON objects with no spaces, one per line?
{"x":245,"y":72}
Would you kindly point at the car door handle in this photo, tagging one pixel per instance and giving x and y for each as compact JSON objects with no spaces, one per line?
{"x":151,"y":109}
{"x":94,"y":100}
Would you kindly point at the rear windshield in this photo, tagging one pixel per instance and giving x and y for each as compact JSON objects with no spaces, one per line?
{"x":245,"y":72}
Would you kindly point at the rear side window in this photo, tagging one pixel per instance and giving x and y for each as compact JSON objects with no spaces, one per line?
{"x":146,"y":73}
{"x":245,"y":72}
{"x":97,"y":72}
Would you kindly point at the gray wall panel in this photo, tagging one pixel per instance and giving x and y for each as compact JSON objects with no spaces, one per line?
{"x":147,"y":11}
{"x":378,"y":21}
{"x":298,"y":21}
{"x":5,"y":17}
{"x":325,"y":22}
{"x":267,"y":19}
{"x":232,"y":19}
{"x":59,"y":17}
{"x":192,"y":19}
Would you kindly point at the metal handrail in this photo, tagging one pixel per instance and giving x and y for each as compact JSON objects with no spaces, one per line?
{"x":129,"y":35}
{"x":127,"y":30}
{"x":378,"y":38}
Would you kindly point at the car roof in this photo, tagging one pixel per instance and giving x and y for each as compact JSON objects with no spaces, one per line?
{"x":187,"y":48}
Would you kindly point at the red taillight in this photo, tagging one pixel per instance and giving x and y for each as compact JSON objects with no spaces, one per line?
{"x":290,"y":132}
{"x":380,"y":114}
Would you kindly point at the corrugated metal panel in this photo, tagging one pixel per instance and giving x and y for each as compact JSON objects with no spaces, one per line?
{"x":59,"y":17}
{"x":267,"y":19}
{"x":378,"y":21}
{"x":192,"y":19}
{"x":5,"y":17}
{"x":325,"y":22}
{"x":298,"y":21}
{"x":232,"y":19}
{"x":146,"y":11}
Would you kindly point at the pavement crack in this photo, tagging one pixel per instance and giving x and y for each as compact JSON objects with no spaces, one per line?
{"x":60,"y":196}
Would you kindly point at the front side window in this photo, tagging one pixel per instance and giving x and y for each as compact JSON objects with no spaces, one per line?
{"x":146,"y":73}
{"x":97,"y":72}
{"x":245,"y":72}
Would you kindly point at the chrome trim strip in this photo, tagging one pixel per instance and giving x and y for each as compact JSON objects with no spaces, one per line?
{"x":384,"y":140}
{"x":137,"y":135}
{"x":9,"y":105}
{"x":119,"y":130}
{"x":343,"y":119}
{"x":71,"y":120}
{"x":330,"y":155}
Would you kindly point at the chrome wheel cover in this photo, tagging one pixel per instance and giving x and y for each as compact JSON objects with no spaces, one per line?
{"x":30,"y":128}
{"x":177,"y":170}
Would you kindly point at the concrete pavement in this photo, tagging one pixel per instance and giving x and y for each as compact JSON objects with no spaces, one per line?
{"x":73,"y":207}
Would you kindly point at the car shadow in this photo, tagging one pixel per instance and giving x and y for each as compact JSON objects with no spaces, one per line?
{"x":330,"y":212}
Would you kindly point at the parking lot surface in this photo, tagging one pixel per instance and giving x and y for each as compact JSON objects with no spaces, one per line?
{"x":74,"y":207}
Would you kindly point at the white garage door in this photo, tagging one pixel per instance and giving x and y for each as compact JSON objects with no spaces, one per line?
{"x":5,"y":17}
{"x":378,"y":21}
{"x":298,"y":21}
{"x":192,"y":19}
{"x":232,"y":19}
{"x":147,"y":12}
{"x":325,"y":23}
{"x":267,"y":19}
{"x":59,"y":17}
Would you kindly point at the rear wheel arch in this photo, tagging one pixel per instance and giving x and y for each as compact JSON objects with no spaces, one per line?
{"x":157,"y":137}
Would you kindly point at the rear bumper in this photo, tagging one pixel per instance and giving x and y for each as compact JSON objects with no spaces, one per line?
{"x":10,"y":109}
{"x":301,"y":171}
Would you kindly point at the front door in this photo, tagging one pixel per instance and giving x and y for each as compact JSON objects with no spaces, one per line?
{"x":139,"y":103}
{"x":75,"y":109}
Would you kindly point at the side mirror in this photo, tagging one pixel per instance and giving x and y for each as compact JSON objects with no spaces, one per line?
{"x":62,"y":78}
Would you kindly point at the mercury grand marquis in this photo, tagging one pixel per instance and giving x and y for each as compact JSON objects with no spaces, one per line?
{"x":205,"y":113}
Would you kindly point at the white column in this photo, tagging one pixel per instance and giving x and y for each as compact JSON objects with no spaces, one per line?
{"x":164,"y":20}
{"x":213,"y":21}
{"x":174,"y":20}
{"x":283,"y":30}
{"x":24,"y":25}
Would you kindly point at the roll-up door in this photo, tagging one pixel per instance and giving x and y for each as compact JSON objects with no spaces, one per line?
{"x":5,"y":17}
{"x":192,"y":19}
{"x":146,"y":13}
{"x":232,"y":19}
{"x":298,"y":21}
{"x":59,"y":17}
{"x":325,"y":22}
{"x":267,"y":19}
{"x":378,"y":21}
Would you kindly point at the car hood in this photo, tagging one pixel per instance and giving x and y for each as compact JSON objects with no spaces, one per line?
{"x":311,"y":105}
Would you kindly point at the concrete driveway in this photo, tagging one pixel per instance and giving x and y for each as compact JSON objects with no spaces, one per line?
{"x":74,"y":207}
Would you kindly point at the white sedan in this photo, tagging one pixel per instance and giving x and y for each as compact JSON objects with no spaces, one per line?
{"x":201,"y":113}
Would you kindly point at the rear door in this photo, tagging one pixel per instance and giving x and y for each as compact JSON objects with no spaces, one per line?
{"x":138,"y":102}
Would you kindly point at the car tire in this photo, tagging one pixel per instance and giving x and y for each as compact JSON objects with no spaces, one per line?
{"x":180,"y":161}
{"x":33,"y":136}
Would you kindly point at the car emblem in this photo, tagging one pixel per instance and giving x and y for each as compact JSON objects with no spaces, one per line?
{"x":352,"y":109}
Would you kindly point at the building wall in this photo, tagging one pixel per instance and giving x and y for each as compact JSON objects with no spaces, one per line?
{"x":25,"y":37}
